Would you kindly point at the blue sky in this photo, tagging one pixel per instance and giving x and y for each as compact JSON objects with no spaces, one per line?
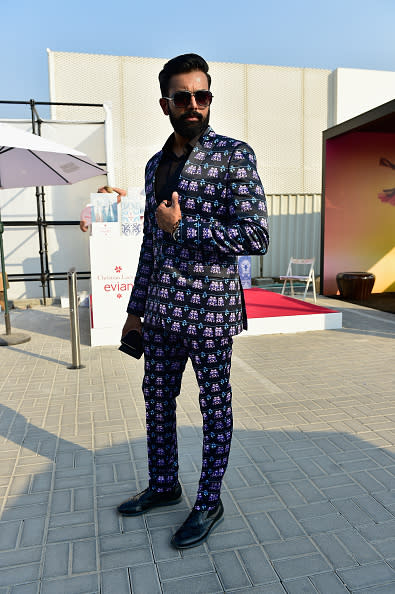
{"x":302,"y":33}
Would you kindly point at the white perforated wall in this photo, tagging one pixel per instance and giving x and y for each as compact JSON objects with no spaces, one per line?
{"x":280,"y":111}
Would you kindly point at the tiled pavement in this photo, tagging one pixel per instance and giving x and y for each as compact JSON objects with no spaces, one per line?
{"x":309,"y":495}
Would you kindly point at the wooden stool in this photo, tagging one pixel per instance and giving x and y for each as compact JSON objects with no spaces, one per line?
{"x":356,"y":286}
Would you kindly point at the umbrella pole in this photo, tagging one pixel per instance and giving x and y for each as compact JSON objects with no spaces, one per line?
{"x":41,"y":241}
{"x":8,"y":338}
{"x":6,"y":311}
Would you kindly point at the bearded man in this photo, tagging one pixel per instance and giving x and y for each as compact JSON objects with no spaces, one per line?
{"x":205,"y":206}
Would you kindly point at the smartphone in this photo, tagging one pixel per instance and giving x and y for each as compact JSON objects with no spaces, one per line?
{"x":132,"y":344}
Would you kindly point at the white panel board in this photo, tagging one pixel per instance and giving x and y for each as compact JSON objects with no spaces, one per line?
{"x":357,"y":91}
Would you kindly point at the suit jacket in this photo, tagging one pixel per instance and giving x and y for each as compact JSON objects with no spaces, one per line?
{"x":191,"y":285}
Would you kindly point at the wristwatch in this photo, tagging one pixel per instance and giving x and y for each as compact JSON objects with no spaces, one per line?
{"x":176,"y":231}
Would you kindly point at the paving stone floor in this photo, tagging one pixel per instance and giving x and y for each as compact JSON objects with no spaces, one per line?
{"x":309,"y":495}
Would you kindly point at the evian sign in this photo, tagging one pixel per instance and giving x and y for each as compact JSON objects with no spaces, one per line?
{"x":117,"y":284}
{"x":113,"y":267}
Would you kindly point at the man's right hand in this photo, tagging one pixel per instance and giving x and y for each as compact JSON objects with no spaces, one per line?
{"x":132,"y":323}
{"x":84,"y":226}
{"x":168,"y":214}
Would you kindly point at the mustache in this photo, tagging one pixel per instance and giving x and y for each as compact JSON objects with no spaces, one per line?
{"x":192,"y":113}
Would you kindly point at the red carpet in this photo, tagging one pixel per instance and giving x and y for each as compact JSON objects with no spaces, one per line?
{"x":266,"y":304}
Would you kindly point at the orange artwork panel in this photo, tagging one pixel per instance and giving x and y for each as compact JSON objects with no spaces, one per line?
{"x":359,"y":233}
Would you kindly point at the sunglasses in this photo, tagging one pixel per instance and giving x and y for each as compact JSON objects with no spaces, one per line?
{"x":183,"y":98}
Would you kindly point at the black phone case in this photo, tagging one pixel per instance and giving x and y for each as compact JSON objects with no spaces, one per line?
{"x":132,"y":344}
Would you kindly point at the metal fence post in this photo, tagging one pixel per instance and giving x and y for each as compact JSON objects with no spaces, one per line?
{"x":74,"y":320}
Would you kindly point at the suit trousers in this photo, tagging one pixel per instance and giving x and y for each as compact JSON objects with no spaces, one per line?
{"x":165,"y":357}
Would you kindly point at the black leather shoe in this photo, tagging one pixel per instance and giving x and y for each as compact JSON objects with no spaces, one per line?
{"x":148,"y":499}
{"x":197,"y":527}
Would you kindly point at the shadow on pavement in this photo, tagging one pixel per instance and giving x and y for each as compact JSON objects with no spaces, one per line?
{"x":360,"y":320}
{"x":51,"y":321}
{"x":30,"y":354}
{"x":305,"y":511}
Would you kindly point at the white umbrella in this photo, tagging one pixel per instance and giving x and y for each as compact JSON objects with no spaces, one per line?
{"x":30,"y":160}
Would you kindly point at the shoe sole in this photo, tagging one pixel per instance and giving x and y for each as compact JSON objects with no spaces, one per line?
{"x":144,"y":511}
{"x":201,"y":540}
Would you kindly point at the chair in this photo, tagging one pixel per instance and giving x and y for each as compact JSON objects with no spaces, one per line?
{"x":307,"y":278}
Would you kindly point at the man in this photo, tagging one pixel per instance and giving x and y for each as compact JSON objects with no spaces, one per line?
{"x":205,"y":206}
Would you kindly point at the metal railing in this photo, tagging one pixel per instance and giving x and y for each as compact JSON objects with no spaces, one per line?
{"x":295,"y":230}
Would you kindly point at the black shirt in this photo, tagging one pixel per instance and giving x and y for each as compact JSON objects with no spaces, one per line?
{"x":169,"y":169}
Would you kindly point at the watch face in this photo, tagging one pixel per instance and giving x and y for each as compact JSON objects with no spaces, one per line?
{"x":176,"y":234}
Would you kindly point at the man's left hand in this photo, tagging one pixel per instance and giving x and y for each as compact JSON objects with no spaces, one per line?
{"x":168,"y":214}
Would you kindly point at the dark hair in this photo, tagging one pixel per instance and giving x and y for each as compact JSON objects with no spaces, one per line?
{"x":179,"y":65}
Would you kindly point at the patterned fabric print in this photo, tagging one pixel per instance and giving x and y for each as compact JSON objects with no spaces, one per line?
{"x":165,"y":359}
{"x":223,"y":216}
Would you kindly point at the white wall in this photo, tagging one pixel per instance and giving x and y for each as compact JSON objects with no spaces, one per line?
{"x":280,"y":111}
{"x":356,"y":91}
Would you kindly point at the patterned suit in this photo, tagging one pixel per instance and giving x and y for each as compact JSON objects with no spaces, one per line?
{"x":188,"y":291}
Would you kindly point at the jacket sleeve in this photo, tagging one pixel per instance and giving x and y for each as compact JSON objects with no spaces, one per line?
{"x":245,"y":230}
{"x":138,"y":295}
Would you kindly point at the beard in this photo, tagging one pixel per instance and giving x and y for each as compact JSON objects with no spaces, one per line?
{"x":189,"y":129}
